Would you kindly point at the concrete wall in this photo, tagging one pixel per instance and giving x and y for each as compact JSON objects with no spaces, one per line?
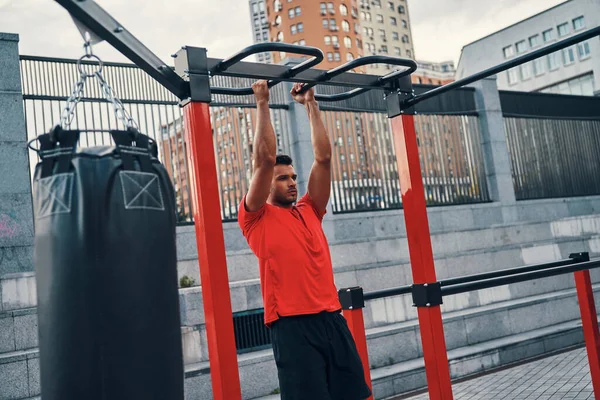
{"x":16,"y":220}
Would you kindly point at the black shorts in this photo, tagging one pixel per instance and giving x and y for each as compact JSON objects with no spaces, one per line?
{"x":317,"y":358}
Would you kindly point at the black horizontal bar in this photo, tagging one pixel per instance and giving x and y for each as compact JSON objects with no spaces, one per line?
{"x":504,"y":66}
{"x":264,"y":47}
{"x":507,"y":272}
{"x":74,"y":61}
{"x":378,"y":294}
{"x":549,"y":106}
{"x":254,"y":70}
{"x":526,"y":276}
{"x":99,"y":99}
{"x":102,"y":24}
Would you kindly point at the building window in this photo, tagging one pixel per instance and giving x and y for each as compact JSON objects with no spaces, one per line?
{"x":578,"y":23}
{"x":520,"y":46}
{"x":534,"y":41}
{"x":384,"y":49}
{"x":379,"y":18}
{"x":298,"y":11}
{"x":291,"y":13}
{"x":302,"y":42}
{"x":377,"y":3}
{"x":293,"y":29}
{"x":300,"y":27}
{"x":512,"y":76}
{"x":330,"y":56}
{"x":335,"y":41}
{"x":349,"y":57}
{"x":568,"y":56}
{"x":391,"y":6}
{"x":323,"y":8}
{"x":583,"y":50}
{"x":563,"y":29}
{"x":538,"y":66}
{"x":393,"y":21}
{"x":330,"y":8}
{"x":347,"y":42}
{"x":282,"y":54}
{"x":397,"y":51}
{"x":382,"y":34}
{"x":257,"y":36}
{"x":552,"y":61}
{"x":261,"y":6}
{"x":332,"y":25}
{"x":278,"y":20}
{"x":525,"y":71}
{"x":265,"y":35}
{"x":408,"y":53}
{"x":277,"y":5}
{"x":358,"y":44}
{"x":280,"y":36}
{"x":404,"y":23}
{"x":325,"y":23}
{"x":508,"y":51}
{"x":327,"y":40}
{"x":336,"y":56}
{"x":368,"y":17}
{"x":548,"y":35}
{"x":401,"y":9}
{"x":405,"y":39}
{"x":345,"y":26}
{"x":255,"y":8}
{"x":370,"y":31}
{"x":343,"y":9}
{"x":395,"y":36}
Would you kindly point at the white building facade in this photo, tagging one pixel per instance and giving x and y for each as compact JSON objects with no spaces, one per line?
{"x":260,"y":27}
{"x":574,"y":70}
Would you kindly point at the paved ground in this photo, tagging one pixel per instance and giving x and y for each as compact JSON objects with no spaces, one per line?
{"x":563,"y":376}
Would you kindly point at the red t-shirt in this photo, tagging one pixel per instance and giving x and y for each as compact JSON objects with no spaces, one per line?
{"x":296,"y":274}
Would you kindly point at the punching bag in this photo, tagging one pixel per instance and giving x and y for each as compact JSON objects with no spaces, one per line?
{"x":106,"y":268}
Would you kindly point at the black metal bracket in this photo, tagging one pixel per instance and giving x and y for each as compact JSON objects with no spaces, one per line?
{"x":191,"y":63}
{"x":351,"y":298}
{"x":395,"y":102}
{"x":427,"y":294}
{"x":580,"y":257}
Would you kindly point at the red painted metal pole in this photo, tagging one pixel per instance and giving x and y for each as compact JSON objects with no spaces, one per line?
{"x":421,"y":255}
{"x":211,"y":253}
{"x":356,"y":324}
{"x":589,"y":319}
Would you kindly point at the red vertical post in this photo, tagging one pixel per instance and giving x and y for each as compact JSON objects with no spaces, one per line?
{"x":211,"y":253}
{"x":356,"y":324}
{"x":421,"y":255}
{"x":589,"y":319}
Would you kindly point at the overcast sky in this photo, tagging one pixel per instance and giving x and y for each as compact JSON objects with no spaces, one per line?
{"x":440,"y":27}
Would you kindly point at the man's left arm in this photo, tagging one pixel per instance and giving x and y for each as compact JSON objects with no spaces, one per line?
{"x":319,"y":181}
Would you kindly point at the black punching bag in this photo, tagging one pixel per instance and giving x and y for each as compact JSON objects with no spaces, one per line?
{"x":105,"y":261}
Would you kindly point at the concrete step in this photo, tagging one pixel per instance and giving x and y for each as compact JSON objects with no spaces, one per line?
{"x":18,"y":330}
{"x":349,"y":253}
{"x":19,"y":374}
{"x":247,"y":295}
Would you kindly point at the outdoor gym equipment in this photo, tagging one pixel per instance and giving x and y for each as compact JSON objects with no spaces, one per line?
{"x":190,"y":81}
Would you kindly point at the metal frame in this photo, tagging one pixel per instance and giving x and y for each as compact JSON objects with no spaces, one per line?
{"x":190,"y":82}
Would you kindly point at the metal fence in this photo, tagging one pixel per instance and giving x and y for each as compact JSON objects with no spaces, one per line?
{"x":365,"y":172}
{"x":554,"y":158}
{"x":48,"y":82}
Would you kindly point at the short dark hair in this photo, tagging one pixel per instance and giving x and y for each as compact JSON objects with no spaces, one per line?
{"x":283,"y":159}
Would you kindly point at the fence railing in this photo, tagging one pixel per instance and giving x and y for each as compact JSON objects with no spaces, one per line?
{"x":554,"y":158}
{"x":365,"y":173}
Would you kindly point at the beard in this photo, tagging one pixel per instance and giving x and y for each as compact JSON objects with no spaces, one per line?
{"x":286,"y":199}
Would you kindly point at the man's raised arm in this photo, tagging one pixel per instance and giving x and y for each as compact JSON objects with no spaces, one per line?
{"x":319,"y":181}
{"x":264,"y":151}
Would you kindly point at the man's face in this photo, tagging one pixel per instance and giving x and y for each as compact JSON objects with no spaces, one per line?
{"x":283,"y":186}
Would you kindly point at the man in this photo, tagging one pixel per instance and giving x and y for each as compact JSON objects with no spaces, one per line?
{"x":314,"y":351}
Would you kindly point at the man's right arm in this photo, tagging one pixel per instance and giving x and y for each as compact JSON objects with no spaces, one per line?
{"x":264,"y":150}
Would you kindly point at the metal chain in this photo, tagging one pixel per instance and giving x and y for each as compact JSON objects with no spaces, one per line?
{"x":68,"y":112}
{"x":120,"y":112}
